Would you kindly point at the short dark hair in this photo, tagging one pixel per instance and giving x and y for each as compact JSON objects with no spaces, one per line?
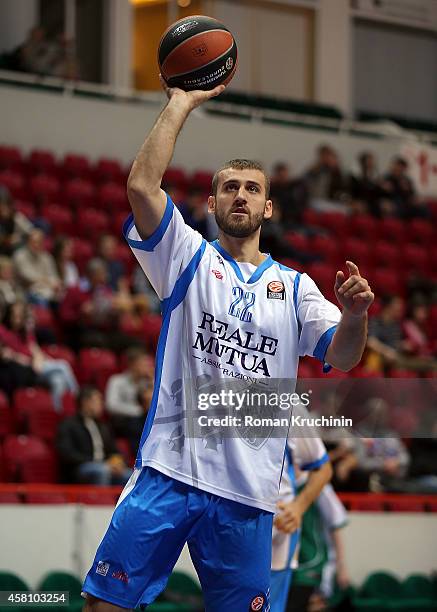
{"x":133,"y":353}
{"x":84,"y":394}
{"x":241,"y":164}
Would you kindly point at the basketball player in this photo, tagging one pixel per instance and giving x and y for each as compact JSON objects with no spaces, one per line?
{"x":229,"y":313}
{"x":304,"y":451}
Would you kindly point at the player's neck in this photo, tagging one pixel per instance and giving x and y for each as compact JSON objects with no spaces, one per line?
{"x":243,"y":249}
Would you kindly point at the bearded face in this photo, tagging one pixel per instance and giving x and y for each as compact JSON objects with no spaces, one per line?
{"x":240,"y":205}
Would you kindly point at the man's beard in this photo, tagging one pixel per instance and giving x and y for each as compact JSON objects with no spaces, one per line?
{"x":241,"y":226}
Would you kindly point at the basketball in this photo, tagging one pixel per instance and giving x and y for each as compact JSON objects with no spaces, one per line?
{"x":197,"y":52}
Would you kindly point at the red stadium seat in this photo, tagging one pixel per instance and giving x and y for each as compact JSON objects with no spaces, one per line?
{"x":83,"y":251}
{"x":27,"y":400}
{"x":323,"y":275}
{"x":311,"y":217}
{"x":416,"y":259}
{"x":387,"y":282}
{"x":91,"y":223}
{"x":43,"y":318}
{"x":118,"y":222}
{"x":10,"y":157}
{"x":113,"y":197}
{"x":386,"y":254}
{"x":358,"y":251}
{"x":48,"y":497}
{"x":297,"y":241}
{"x":76,"y":166}
{"x":59,"y":351}
{"x":393,"y":230}
{"x":175,"y":177}
{"x":20,"y":452}
{"x":41,"y":161}
{"x":125,"y":255}
{"x":364,"y":226}
{"x":335,"y":222}
{"x":15,"y":183}
{"x":45,"y":188}
{"x":94,"y":362}
{"x":60,"y":219}
{"x":43,"y":423}
{"x":6,"y":421}
{"x":326,"y":247}
{"x":202,"y":179}
{"x":108,"y":170}
{"x":421,"y":231}
{"x":80,"y":193}
{"x":26,"y":208}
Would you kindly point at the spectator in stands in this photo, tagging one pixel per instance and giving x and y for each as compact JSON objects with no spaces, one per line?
{"x":10,"y":292}
{"x":422,"y":474}
{"x":364,"y":186}
{"x":18,"y":339}
{"x":65,"y":266}
{"x":401,"y":197}
{"x":36,"y":270}
{"x":28,"y":56}
{"x":290,"y":194}
{"x":124,"y":394}
{"x":194,"y":211}
{"x":141,"y":286}
{"x":87,"y":447}
{"x":273,"y":240}
{"x":91,"y":311}
{"x":14,"y":226}
{"x":385,"y":334}
{"x":325,"y":178}
{"x":417,"y":331}
{"x":107,"y":251}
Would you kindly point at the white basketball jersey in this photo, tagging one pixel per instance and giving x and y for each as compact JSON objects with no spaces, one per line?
{"x":219,"y":325}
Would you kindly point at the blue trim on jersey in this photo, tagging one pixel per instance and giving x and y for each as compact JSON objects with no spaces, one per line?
{"x":150,"y":243}
{"x":296,"y":291}
{"x":167,"y":306}
{"x":322,"y":346}
{"x":282,"y":267}
{"x":314,"y":465}
{"x":255,"y":276}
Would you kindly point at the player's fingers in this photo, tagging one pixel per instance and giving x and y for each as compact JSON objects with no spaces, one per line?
{"x":215,"y":92}
{"x":350,"y":282}
{"x":358,"y":287}
{"x":353,"y":268}
{"x":364,"y":296}
{"x":339,"y":279}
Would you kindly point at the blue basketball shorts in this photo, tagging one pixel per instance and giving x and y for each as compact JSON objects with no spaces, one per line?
{"x":229,"y":542}
{"x":280,"y":580}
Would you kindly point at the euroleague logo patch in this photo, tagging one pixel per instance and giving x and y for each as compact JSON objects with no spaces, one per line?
{"x":276,"y":290}
{"x":257,"y":603}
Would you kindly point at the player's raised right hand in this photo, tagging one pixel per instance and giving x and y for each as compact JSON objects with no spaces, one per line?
{"x":192,"y":99}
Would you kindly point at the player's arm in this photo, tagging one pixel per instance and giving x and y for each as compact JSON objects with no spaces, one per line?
{"x":349,"y":340}
{"x":144,"y":191}
{"x":290,"y":517}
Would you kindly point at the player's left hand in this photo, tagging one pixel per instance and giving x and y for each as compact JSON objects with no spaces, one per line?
{"x":354,"y":293}
{"x":290,"y":516}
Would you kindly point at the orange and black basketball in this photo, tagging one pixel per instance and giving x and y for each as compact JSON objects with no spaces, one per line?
{"x":197,"y":52}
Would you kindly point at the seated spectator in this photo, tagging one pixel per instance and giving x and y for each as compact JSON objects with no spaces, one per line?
{"x":107,"y":251}
{"x":90,"y":312}
{"x":65,"y":266}
{"x":10,"y":292}
{"x":87,"y":447}
{"x":273,"y":240}
{"x":325,"y":179}
{"x":401,"y":197}
{"x":422,"y":474}
{"x":291,"y":194}
{"x":36,"y":270}
{"x":364,"y":186}
{"x":385,"y":334}
{"x":194,"y":211}
{"x":19,"y":344}
{"x":14,"y":226}
{"x":141,"y":286}
{"x":417,"y":332}
{"x":124,"y":397}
